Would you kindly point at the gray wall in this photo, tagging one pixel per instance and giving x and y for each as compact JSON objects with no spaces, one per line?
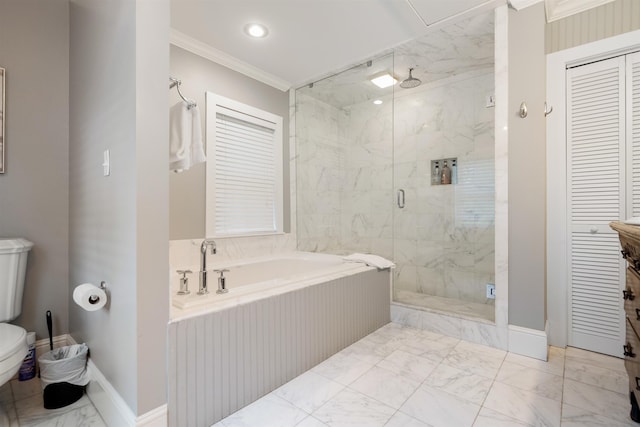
{"x":198,"y":75}
{"x":119,"y":224}
{"x":34,"y":37}
{"x":608,"y":20}
{"x":527,"y":166}
{"x":529,"y":39}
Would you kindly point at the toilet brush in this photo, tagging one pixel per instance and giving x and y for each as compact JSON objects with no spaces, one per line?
{"x":50,"y":328}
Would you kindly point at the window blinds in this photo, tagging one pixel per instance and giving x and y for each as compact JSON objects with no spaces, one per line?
{"x":245,"y":182}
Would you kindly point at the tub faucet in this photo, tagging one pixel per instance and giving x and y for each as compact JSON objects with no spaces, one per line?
{"x":202,"y":290}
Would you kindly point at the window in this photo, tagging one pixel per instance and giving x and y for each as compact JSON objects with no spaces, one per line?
{"x":244,"y":169}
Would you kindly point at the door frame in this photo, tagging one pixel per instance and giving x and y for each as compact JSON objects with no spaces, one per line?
{"x":556,"y":144}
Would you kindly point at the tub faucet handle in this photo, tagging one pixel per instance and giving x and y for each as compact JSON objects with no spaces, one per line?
{"x":184,"y":282}
{"x":222,"y":287}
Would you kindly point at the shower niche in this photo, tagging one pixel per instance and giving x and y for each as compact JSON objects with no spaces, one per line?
{"x":444,"y":171}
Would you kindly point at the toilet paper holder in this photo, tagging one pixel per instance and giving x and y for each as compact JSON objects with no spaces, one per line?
{"x":95,"y":298}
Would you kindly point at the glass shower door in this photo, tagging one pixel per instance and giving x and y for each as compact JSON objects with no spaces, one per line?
{"x":443,"y":171}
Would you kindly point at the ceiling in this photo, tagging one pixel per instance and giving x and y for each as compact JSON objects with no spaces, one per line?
{"x":308,"y":39}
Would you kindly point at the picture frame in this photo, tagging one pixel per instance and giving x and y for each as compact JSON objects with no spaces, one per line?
{"x":3,"y":140}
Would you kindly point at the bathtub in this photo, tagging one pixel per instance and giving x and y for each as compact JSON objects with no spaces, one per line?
{"x":282,"y":316}
{"x":255,"y":278}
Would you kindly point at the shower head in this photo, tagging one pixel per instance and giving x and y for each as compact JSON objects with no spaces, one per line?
{"x":410,"y":82}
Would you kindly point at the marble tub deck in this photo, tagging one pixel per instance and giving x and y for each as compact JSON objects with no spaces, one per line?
{"x":22,"y":400}
{"x":401,"y":376}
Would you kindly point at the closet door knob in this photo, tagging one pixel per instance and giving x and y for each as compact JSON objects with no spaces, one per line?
{"x":594,"y":230}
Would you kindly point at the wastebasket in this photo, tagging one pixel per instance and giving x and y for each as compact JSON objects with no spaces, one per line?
{"x":63,"y":372}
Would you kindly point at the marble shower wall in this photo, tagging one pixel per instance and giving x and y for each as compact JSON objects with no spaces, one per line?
{"x":444,"y":237}
{"x":344,"y":177}
{"x":319,"y":171}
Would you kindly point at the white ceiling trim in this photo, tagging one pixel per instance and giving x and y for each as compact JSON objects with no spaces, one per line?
{"x":522,"y":4}
{"x":204,"y":50}
{"x":558,"y":9}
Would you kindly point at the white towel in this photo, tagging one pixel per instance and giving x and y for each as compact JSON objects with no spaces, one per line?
{"x":185,"y":137}
{"x":369,"y":259}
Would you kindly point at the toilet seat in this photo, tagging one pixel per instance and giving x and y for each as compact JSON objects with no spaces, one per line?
{"x":13,"y":349}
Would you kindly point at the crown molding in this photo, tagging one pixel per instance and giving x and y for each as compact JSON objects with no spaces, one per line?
{"x":521,"y":4}
{"x":204,"y":50}
{"x":558,"y":9}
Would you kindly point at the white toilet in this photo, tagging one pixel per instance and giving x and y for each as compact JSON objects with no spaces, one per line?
{"x":13,"y":339}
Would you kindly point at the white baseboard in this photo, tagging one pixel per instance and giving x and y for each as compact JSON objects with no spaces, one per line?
{"x":154,"y":418}
{"x":112,"y":407}
{"x":529,"y":342}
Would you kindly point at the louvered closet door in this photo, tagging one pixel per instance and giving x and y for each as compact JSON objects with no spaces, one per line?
{"x":633,"y":131}
{"x":596,"y":192}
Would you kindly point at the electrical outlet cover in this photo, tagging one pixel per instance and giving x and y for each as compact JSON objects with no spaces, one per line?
{"x":491,"y":291}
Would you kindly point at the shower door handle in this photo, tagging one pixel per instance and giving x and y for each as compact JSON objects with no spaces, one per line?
{"x":401,"y":198}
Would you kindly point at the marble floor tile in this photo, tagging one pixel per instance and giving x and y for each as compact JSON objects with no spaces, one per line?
{"x":476,"y":358}
{"x":609,"y":379}
{"x":490,"y":418}
{"x":370,"y":351}
{"x":522,"y":405}
{"x":342,"y":368}
{"x":440,"y":409}
{"x":408,"y":365}
{"x":572,"y":416}
{"x":6,"y":395}
{"x":555,"y":364}
{"x":309,"y":391}
{"x":31,"y":410}
{"x":539,"y":382}
{"x":23,"y":389}
{"x":437,"y":337}
{"x":393,"y":332}
{"x":386,"y":386}
{"x":595,"y":359}
{"x":269,"y":411}
{"x":606,"y":403}
{"x":400,"y":419}
{"x":351,"y":408}
{"x":9,"y":410}
{"x":463,"y":384}
{"x":85,"y":416}
{"x":311,"y":422}
{"x":426,"y":348}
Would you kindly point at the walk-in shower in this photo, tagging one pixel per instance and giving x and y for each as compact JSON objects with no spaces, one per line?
{"x":407,"y":173}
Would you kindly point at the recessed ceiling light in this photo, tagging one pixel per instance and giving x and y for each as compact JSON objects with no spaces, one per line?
{"x":377,"y":101}
{"x":383,"y":80}
{"x":256,"y":30}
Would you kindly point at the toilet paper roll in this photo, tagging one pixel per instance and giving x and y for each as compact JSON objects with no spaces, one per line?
{"x":89,"y":297}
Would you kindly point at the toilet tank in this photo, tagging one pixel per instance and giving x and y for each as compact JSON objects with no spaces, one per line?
{"x":13,"y":265}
